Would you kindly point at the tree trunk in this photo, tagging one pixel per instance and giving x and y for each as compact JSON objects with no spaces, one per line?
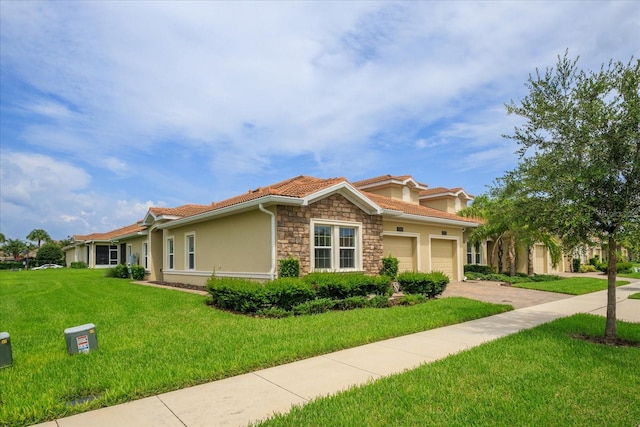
{"x":499,"y":255}
{"x":610,"y":330}
{"x":530,"y":270}
{"x":511,"y":256}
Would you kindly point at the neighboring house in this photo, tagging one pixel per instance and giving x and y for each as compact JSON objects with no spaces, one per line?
{"x":327,"y":224}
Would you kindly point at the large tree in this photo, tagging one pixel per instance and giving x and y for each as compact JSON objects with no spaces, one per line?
{"x":15,"y":247}
{"x":38,"y":235}
{"x":579,"y":174}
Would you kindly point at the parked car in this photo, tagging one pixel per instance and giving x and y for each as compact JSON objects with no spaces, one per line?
{"x":45,"y":266}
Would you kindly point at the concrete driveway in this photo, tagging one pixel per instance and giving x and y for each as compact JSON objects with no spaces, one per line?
{"x":498,"y":294}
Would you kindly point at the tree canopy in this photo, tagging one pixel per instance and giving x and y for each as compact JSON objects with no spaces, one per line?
{"x":38,"y":235}
{"x":580,"y":157}
{"x":50,"y":253}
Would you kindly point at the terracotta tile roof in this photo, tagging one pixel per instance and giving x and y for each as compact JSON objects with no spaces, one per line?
{"x":181,"y":211}
{"x":383,"y":178}
{"x":442,"y":190}
{"x":297,"y":187}
{"x":413,"y":209}
{"x":110,"y":235}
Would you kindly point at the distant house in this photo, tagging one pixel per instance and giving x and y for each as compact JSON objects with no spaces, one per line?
{"x":327,"y":224}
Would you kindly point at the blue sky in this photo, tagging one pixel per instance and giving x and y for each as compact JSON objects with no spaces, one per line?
{"x":108,"y":108}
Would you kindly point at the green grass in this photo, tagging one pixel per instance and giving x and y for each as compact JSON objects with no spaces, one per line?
{"x":630,"y":275}
{"x":538,"y":377}
{"x":571,"y":286}
{"x":635,"y":296}
{"x":154,"y":340}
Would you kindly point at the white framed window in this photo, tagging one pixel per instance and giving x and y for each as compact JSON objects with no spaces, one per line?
{"x":130,"y":259}
{"x":170,"y":253}
{"x":336,"y":245}
{"x":190,"y":251}
{"x":145,"y":255}
{"x":474,"y":253}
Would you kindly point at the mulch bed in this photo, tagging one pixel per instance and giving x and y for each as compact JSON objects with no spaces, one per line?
{"x":179,"y":285}
{"x":600,"y":340}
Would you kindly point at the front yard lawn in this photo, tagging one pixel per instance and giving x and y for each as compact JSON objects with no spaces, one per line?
{"x":571,"y":286}
{"x":539,"y":377}
{"x":155,"y":340}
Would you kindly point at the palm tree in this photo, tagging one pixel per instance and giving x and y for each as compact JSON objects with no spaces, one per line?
{"x":38,"y":235}
{"x":505,"y":225}
{"x":2,"y":238}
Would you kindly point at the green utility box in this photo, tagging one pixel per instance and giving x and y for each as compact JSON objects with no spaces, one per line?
{"x":81,"y":339}
{"x":6,"y":357}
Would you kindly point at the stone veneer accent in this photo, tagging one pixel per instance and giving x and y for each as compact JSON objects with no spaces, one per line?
{"x":294,"y":235}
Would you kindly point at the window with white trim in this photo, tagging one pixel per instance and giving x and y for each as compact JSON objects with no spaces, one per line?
{"x":113,"y":255}
{"x":145,"y":255}
{"x":474,"y":253}
{"x":336,"y":246}
{"x":170,"y":253}
{"x":190,"y":251}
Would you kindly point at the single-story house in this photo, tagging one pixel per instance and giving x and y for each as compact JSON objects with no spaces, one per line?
{"x":327,"y":224}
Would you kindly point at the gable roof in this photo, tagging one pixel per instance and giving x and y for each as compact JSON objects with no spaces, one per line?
{"x":300,"y":190}
{"x":436,"y":192}
{"x":389,"y":179}
{"x":395,"y":207}
{"x":126,"y":231}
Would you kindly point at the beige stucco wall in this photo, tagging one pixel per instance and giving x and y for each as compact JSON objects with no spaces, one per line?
{"x":426,"y":233}
{"x":444,"y":205}
{"x":238,"y":245}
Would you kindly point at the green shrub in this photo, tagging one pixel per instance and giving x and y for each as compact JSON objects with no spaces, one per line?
{"x":137,"y":272}
{"x":274,"y":313}
{"x":587,"y":268}
{"x":339,"y":286}
{"x":50,"y":253}
{"x":470,"y":275}
{"x":289,"y":267}
{"x":244,"y":296}
{"x":427,"y":284}
{"x":475,"y":268}
{"x":624,"y":267}
{"x":380,"y":301}
{"x":316,"y":306}
{"x":351,"y":303}
{"x":78,"y":264}
{"x":411,"y":299}
{"x":576,"y":265}
{"x":390,"y":267}
{"x":10,"y":265}
{"x":285,"y":293}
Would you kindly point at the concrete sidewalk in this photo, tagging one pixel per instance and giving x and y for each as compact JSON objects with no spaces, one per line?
{"x":239,"y":400}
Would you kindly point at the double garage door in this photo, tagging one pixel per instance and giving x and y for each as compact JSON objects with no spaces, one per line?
{"x":443,"y":254}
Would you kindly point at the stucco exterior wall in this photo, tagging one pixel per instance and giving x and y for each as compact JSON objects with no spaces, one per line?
{"x":238,"y":245}
{"x":294,"y":233}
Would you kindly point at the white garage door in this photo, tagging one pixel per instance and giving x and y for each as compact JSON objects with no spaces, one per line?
{"x":443,"y":256}
{"x":403,"y":248}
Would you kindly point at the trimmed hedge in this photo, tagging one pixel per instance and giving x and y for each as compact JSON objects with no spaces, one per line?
{"x":427,"y":284}
{"x":482,"y":269}
{"x":300,"y":296}
{"x":78,"y":264}
{"x":344,"y":285}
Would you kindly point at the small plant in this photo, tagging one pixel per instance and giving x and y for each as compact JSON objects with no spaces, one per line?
{"x":576,"y":265}
{"x":380,"y":301}
{"x":427,"y":284}
{"x":475,"y":268}
{"x":390,"y":266}
{"x":274,"y":313}
{"x":351,"y":303}
{"x":316,"y":306}
{"x":78,"y":264}
{"x":411,"y":299}
{"x":289,"y":267}
{"x":588,"y":268}
{"x":137,"y":272}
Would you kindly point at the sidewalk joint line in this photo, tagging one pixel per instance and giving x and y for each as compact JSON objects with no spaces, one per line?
{"x":171,"y":410}
{"x":280,"y":387}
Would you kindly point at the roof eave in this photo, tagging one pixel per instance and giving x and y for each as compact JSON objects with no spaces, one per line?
{"x":431,"y":219}
{"x":229,"y":210}
{"x":349,"y":192}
